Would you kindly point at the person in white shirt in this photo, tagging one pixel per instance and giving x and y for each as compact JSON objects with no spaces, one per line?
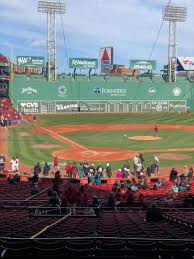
{"x":156,"y":163}
{"x":13,"y":165}
{"x":135,"y":162}
{"x":17,"y":164}
{"x":139,"y":169}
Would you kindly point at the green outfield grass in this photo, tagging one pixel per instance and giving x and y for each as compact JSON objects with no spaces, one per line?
{"x":169,"y":139}
{"x":93,"y":118}
{"x":23,"y":146}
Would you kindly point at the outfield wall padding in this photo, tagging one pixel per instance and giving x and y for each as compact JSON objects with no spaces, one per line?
{"x":98,"y":95}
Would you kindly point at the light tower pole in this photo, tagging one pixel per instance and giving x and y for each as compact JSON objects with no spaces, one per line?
{"x":51,"y":8}
{"x":173,"y":15}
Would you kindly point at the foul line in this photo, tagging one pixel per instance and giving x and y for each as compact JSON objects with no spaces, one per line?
{"x":64,"y":139}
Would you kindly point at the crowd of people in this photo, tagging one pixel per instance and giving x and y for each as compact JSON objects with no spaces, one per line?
{"x":95,"y":173}
{"x":8,"y":114}
{"x":128,"y":189}
{"x":61,"y":197}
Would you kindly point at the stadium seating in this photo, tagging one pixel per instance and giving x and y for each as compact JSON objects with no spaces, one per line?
{"x":8,"y":112}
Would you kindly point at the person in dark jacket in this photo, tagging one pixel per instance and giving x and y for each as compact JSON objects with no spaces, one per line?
{"x":173,"y":175}
{"x":46,"y":169}
{"x":111,"y":201}
{"x":154,"y":214}
{"x":96,"y":206}
{"x":54,"y":202}
{"x":108,"y":170}
{"x":37,"y":169}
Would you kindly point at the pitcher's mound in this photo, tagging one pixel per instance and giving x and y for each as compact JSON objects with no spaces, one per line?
{"x":144,"y":138}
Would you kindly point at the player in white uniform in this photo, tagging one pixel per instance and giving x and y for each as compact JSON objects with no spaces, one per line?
{"x":13,"y":165}
{"x":17,"y":164}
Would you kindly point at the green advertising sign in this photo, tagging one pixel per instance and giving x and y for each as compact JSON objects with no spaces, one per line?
{"x":29,"y":61}
{"x":143,"y":64}
{"x":83,"y":63}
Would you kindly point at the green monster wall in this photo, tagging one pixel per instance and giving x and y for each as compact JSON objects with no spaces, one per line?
{"x":97,"y":94}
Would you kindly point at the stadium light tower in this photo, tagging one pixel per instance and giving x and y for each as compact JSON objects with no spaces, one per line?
{"x":51,"y":7}
{"x":173,"y":15}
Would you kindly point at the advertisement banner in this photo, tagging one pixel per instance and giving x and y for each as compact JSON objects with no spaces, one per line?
{"x":83,"y":63}
{"x":29,"y":106}
{"x":29,"y":61}
{"x":66,"y":106}
{"x":143,"y":64}
{"x":106,"y":59}
{"x":185,"y":64}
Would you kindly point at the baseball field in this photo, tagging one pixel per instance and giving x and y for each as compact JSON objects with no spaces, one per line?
{"x":112,"y":138}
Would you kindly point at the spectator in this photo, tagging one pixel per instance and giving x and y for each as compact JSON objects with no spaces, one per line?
{"x":13,"y":165}
{"x":108,"y":170}
{"x":56,"y":163}
{"x":148,"y":171}
{"x":46,"y":169}
{"x":135,"y":162}
{"x":86,"y":168}
{"x":152,"y":168}
{"x":57,"y":177}
{"x":2,"y":163}
{"x":154,"y":214}
{"x":96,"y":206}
{"x":74,"y":170}
{"x":164,"y":183}
{"x":185,"y":172}
{"x":54,"y":202}
{"x":37,"y":169}
{"x":34,"y":180}
{"x":139,"y":169}
{"x":119,"y":174}
{"x":17,"y":162}
{"x":190,"y":173}
{"x":134,"y":187}
{"x":141,"y":158}
{"x":115,"y":186}
{"x":80,"y":170}
{"x":68,"y":169}
{"x":13,"y":179}
{"x":93,"y":168}
{"x":156,"y":163}
{"x":111,"y":201}
{"x":174,"y":188}
{"x":99,"y":169}
{"x":97,"y":179}
{"x":173,"y":175}
{"x":91,"y":177}
{"x":34,"y":189}
{"x":130,"y":198}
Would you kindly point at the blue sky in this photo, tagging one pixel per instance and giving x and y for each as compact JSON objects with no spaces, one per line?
{"x":130,"y":26}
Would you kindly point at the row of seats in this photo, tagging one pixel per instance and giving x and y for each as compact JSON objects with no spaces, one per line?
{"x":98,"y":248}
